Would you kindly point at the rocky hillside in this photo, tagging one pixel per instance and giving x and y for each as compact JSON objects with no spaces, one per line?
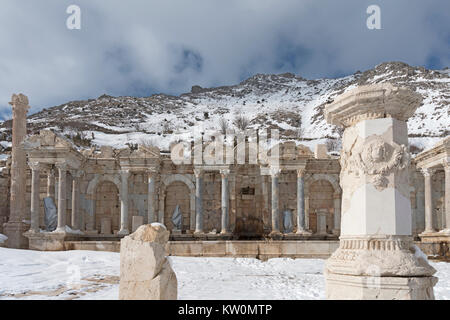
{"x":286,"y":102}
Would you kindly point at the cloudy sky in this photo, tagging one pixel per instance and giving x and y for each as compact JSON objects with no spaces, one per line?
{"x":141,"y":47}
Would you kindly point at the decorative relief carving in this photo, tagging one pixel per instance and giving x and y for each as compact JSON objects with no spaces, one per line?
{"x":376,"y":159}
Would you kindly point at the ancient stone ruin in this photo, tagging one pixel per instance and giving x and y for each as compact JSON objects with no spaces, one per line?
{"x":145,"y":271}
{"x":376,"y":258}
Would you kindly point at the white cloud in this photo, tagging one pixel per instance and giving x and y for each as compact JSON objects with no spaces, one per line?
{"x":136,"y":47}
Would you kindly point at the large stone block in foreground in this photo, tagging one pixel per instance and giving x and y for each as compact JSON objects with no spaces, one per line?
{"x":376,"y":258}
{"x":145,"y":272}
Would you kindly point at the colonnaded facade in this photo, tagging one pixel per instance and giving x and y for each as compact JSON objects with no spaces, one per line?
{"x":108,"y":193}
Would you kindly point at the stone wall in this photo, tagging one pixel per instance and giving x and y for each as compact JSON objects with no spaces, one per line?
{"x":249,"y":195}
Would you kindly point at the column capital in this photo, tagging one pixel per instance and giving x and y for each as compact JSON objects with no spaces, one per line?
{"x":446,"y":164}
{"x":34,"y":165}
{"x":76,"y":173}
{"x":50,"y":171}
{"x":198,"y":172}
{"x":224,"y":173}
{"x":152,"y":173}
{"x":301,"y":172}
{"x":275,"y":172}
{"x":124,"y":173}
{"x":61,"y":165}
{"x":427,"y":172}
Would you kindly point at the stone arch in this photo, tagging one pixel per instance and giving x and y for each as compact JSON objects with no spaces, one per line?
{"x":92,"y":186}
{"x":165,"y":183}
{"x":321,"y":176}
{"x":312,"y":197}
{"x":106,"y":205}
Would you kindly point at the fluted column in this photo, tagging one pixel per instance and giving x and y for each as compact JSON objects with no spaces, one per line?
{"x":75,"y":199}
{"x":447,"y":195}
{"x":124,"y":174}
{"x":427,"y":174}
{"x":225,"y":201}
{"x":62,"y":206}
{"x":275,"y":174}
{"x":198,"y":200}
{"x":151,"y":197}
{"x":301,"y":227}
{"x":35,"y":185}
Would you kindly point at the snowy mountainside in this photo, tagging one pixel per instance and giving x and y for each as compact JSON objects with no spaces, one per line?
{"x":286,"y":102}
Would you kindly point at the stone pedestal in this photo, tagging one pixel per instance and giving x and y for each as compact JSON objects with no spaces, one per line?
{"x":136,"y":222}
{"x":46,"y":241}
{"x":376,"y":258}
{"x":105,"y":226}
{"x":322,"y":221}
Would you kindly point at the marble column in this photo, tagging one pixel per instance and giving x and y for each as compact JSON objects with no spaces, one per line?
{"x":447,"y":195}
{"x":15,"y":227}
{"x":56,"y":190}
{"x":427,"y":174}
{"x":51,"y":183}
{"x":301,"y":226}
{"x":376,"y":258}
{"x":337,"y":214}
{"x":35,"y":186}
{"x":62,"y":205}
{"x":151,"y":201}
{"x":225,"y":201}
{"x":124,"y":225}
{"x":198,"y":201}
{"x":275,"y":174}
{"x":76,"y":200}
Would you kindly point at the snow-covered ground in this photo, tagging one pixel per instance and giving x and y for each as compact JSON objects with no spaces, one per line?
{"x":28,"y":274}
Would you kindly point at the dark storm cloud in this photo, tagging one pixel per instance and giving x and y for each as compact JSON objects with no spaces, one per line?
{"x":140,"y":47}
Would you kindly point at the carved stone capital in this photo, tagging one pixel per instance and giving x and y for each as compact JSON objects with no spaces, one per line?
{"x":224,"y":173}
{"x":34,"y":165}
{"x":275,"y":172}
{"x":19,"y":103}
{"x":50,"y":172}
{"x":76,"y":173}
{"x":124,"y":173}
{"x":446,"y":164}
{"x":301,"y":173}
{"x":198,"y":172}
{"x":427,"y":172}
{"x":61,"y":166}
